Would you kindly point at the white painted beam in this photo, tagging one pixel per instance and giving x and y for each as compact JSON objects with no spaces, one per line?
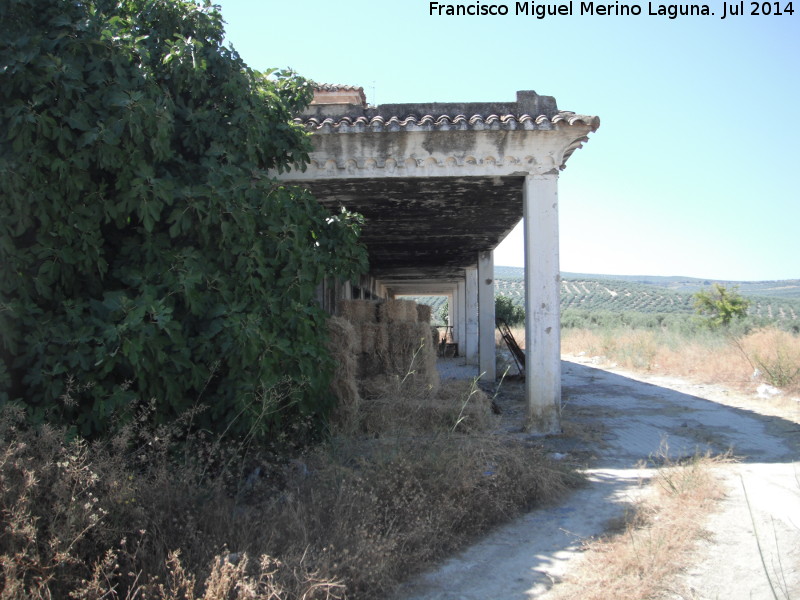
{"x":486,"y":325}
{"x":542,"y":308}
{"x":420,"y":154}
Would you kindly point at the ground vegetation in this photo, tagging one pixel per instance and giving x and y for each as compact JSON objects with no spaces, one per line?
{"x":163,"y":513}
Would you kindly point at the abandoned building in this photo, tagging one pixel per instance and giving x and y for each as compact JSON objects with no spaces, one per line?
{"x":440,"y":185}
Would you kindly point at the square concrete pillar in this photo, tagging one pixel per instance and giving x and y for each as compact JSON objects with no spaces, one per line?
{"x":461,"y":320}
{"x":542,"y":303}
{"x":450,"y":319}
{"x":486,"y":346}
{"x":472,"y":315}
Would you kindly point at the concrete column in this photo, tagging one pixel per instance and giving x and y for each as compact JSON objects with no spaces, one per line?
{"x":472,"y":315}
{"x":486,"y":346}
{"x":542,"y":303}
{"x":450,"y":320}
{"x":461,"y":321}
{"x":454,"y":315}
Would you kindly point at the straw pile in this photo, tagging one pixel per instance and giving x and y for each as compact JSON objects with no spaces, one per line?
{"x":459,"y":405}
{"x":394,"y":340}
{"x":397,"y":311}
{"x":342,"y":342}
{"x":424,"y":313}
{"x":358,"y":311}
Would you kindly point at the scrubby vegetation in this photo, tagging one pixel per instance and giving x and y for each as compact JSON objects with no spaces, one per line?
{"x":744,"y":361}
{"x":170,"y":513}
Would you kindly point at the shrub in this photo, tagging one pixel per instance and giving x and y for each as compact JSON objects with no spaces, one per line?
{"x":145,"y":249}
{"x":506,"y":310}
{"x":721,"y":305}
{"x":776,"y":354}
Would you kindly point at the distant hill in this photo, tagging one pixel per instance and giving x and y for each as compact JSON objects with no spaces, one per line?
{"x":778,"y":300}
{"x":784,"y":288}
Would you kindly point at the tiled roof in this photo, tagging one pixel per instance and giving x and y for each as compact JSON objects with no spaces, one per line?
{"x":335,"y":87}
{"x":459,"y":122}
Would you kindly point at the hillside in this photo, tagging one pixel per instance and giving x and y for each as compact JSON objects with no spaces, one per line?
{"x":779,"y":300}
{"x":785,"y":288}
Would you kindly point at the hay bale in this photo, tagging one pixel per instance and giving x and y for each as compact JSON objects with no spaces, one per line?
{"x":358,"y":311}
{"x":342,"y":340}
{"x":411,"y":354}
{"x":411,"y":311}
{"x":397,"y":311}
{"x":373,"y":338}
{"x":370,"y":365}
{"x":424,"y":312}
{"x":404,"y":342}
{"x":380,"y":386}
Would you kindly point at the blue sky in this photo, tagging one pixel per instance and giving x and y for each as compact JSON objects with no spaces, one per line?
{"x":695,"y":168}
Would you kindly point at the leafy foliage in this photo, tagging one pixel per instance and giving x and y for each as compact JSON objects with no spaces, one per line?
{"x":721,"y":305}
{"x":146,"y":250}
{"x":506,"y":310}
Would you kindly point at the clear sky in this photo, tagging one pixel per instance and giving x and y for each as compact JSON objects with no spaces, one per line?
{"x":695,"y":169}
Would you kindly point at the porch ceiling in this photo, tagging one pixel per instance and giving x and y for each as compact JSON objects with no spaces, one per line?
{"x":426,"y":228}
{"x":436,"y":183}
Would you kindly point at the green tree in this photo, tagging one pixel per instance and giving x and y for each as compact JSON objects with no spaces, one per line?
{"x":720,"y":305}
{"x":443,"y":313}
{"x":506,"y":310}
{"x":147,"y":252}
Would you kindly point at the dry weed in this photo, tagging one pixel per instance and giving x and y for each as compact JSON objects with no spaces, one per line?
{"x":654,"y":543}
{"x":146,"y":516}
{"x":776,"y":355}
{"x":392,"y":506}
{"x":393,"y":406}
{"x":708,"y":357}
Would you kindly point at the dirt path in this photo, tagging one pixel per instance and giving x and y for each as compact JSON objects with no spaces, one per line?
{"x":614,"y":421}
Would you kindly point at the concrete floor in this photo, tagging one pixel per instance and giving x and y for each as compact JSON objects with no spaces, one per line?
{"x":627,"y":422}
{"x":456,"y":368}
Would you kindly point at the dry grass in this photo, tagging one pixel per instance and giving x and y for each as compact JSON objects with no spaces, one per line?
{"x":163,"y":513}
{"x":517,"y":332}
{"x":342,"y":343}
{"x":709,"y":358}
{"x":458,"y":406}
{"x":655,"y":541}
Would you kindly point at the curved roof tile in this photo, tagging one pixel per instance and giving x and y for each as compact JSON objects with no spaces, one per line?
{"x":335,"y":87}
{"x":429,"y":122}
